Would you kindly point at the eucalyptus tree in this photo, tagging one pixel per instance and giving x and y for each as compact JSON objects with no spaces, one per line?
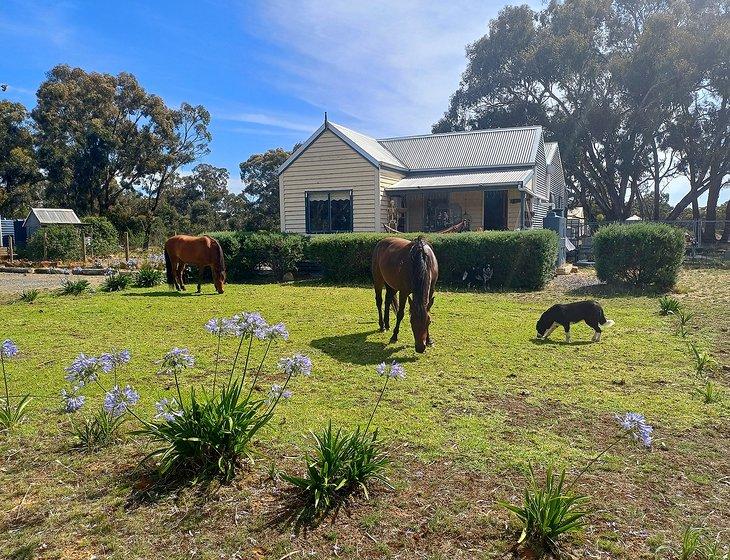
{"x":260,"y":177}
{"x":20,"y":179}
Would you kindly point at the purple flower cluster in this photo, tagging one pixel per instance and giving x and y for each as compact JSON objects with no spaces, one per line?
{"x":298,"y":364}
{"x":72,"y":401}
{"x":8,"y":349}
{"x":167,"y":409}
{"x":394,"y":370}
{"x":635,"y":424}
{"x":248,"y":323}
{"x":83,"y":370}
{"x":176,"y":359}
{"x":109,"y":360}
{"x":277,"y":391}
{"x":118,"y":400}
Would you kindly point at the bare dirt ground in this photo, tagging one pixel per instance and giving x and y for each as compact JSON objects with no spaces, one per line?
{"x":14,"y":283}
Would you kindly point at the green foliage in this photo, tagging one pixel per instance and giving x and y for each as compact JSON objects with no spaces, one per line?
{"x":245,"y":252}
{"x":260,"y":177}
{"x":548,"y":511}
{"x":639,"y":254}
{"x":104,"y":236}
{"x":74,"y":287}
{"x":523,"y":260}
{"x":684,"y":319}
{"x":339,"y":463}
{"x":97,"y":432}
{"x":702,"y":360}
{"x":62,"y":243}
{"x":695,"y":546}
{"x":12,"y":414}
{"x":148,"y":276}
{"x":210,"y":435}
{"x":710,"y":392}
{"x":116,"y":282}
{"x":30,"y":295}
{"x":668,"y":305}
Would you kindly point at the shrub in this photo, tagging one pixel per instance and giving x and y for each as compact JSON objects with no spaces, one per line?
{"x":74,"y":287}
{"x":62,"y":243}
{"x":230,"y":242}
{"x":639,"y":254}
{"x":148,"y":277}
{"x":116,"y":282}
{"x":29,"y":296}
{"x":104,"y":236}
{"x":509,"y":259}
{"x":207,"y":434}
{"x":341,"y":462}
{"x":668,"y":305}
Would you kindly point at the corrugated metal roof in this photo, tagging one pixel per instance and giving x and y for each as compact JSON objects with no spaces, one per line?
{"x":370,"y":145}
{"x":55,"y":216}
{"x":551,"y":148}
{"x":448,"y":180}
{"x":458,"y":150}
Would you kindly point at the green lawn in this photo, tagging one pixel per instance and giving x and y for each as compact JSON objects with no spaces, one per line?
{"x":472,"y":414}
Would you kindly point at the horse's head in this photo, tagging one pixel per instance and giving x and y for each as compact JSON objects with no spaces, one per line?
{"x":220,"y":280}
{"x":420,"y":321}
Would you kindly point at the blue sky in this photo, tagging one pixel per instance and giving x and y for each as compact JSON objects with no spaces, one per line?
{"x":265,"y":70}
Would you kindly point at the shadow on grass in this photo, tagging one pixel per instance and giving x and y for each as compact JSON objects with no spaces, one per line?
{"x":540,"y":341}
{"x":149,"y":487}
{"x":166,"y":294}
{"x":299,"y":516}
{"x":608,"y":291}
{"x":356,"y":349}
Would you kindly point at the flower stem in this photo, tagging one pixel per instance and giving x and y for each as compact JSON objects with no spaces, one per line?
{"x":5,"y":380}
{"x":273,"y":406}
{"x":596,"y":458}
{"x":217,"y":359}
{"x":235,"y":360}
{"x":256,"y":375}
{"x":377,"y":403}
{"x":248,"y":355}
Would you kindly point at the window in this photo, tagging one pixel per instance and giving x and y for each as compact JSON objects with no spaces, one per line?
{"x":329,"y":212}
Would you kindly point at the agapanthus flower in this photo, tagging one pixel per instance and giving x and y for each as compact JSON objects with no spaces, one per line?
{"x":635,"y":424}
{"x":394,"y":370}
{"x":215,"y":325}
{"x":109,"y":360}
{"x":167,"y":409}
{"x":272,"y":332}
{"x":296,"y":364}
{"x":277,"y":391}
{"x":8,"y":348}
{"x":71,"y":401}
{"x":118,"y":400}
{"x":246,"y":323}
{"x":177,"y":358}
{"x":83,"y":370}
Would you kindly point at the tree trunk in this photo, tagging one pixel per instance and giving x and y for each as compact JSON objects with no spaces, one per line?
{"x":713,"y":195}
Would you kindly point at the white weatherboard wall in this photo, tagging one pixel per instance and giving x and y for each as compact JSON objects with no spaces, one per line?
{"x":329,"y":164}
{"x":387,"y":178}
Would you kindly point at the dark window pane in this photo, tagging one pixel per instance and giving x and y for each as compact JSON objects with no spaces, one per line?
{"x":318,"y":212}
{"x":341,"y":209}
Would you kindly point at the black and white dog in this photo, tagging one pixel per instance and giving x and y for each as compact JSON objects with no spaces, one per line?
{"x":563,"y":314}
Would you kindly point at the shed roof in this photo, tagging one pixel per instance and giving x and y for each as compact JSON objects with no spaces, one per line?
{"x":447,"y":180}
{"x":476,"y":149}
{"x":48,"y":216}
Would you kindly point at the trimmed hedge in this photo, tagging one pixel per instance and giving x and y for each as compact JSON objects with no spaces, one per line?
{"x":245,"y":252}
{"x":521,"y":260}
{"x":639,"y":254}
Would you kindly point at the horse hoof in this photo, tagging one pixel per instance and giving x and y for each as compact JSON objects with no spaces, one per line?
{"x":393,"y":339}
{"x":382,"y":329}
{"x":429,"y":343}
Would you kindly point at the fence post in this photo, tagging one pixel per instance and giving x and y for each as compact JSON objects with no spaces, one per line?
{"x":83,"y":245}
{"x":126,"y":246}
{"x":10,"y":247}
{"x":45,"y":245}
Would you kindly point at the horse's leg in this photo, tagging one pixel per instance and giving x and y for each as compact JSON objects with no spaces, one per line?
{"x":200,"y":276}
{"x":181,"y":274}
{"x":173,"y":267}
{"x":379,"y":305}
{"x":402,"y":299}
{"x":389,"y":295}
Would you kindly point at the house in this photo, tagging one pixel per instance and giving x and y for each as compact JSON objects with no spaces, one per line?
{"x":499,"y":179}
{"x":41,"y":217}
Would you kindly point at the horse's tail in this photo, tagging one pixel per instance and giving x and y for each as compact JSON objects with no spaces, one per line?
{"x":220,"y":260}
{"x":419,"y":271}
{"x":168,"y":269}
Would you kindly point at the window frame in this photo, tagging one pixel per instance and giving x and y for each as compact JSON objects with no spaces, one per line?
{"x":329,"y":193}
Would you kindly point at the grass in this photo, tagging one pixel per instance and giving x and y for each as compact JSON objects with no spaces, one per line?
{"x":464,"y":426}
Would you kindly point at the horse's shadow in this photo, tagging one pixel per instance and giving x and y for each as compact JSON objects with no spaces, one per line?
{"x":355,"y":348}
{"x":540,"y":341}
{"x":161,"y":293}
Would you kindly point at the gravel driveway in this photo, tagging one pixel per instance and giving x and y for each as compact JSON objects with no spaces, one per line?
{"x":14,"y":283}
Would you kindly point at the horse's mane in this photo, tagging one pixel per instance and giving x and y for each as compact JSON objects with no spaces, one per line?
{"x":420,"y":281}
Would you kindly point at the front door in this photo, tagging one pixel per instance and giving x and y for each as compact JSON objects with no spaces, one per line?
{"x":495,"y":209}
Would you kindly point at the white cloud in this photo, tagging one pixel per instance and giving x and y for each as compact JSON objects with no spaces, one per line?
{"x":385,"y":67}
{"x":277,"y":121}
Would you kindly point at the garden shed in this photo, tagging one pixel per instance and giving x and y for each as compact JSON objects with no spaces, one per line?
{"x":42,"y":217}
{"x":341,"y":180}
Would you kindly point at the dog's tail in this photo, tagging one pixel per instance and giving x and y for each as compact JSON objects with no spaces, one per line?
{"x":603,"y":321}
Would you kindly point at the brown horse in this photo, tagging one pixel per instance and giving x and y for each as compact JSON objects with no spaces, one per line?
{"x":405,"y":267}
{"x":200,"y":251}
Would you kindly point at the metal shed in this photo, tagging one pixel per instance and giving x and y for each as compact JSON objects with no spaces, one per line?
{"x":40,"y":217}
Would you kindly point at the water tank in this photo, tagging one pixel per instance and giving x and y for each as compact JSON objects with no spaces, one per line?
{"x":556,"y":222}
